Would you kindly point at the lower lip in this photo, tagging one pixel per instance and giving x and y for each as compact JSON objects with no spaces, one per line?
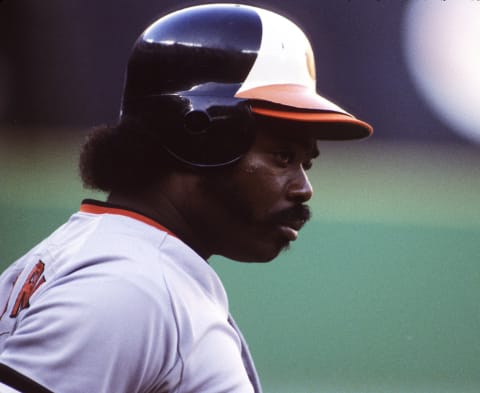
{"x":290,"y":233}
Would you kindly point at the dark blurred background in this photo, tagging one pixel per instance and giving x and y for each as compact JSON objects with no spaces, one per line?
{"x":381,"y":292}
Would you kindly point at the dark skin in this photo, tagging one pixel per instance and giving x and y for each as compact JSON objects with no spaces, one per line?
{"x":249,"y":211}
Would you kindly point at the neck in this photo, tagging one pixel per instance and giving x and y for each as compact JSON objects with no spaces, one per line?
{"x":169,"y":211}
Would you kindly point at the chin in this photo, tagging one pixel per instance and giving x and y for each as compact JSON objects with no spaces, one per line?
{"x":262,"y":253}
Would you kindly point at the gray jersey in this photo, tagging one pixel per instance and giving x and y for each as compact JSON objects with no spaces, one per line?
{"x":112,"y":302}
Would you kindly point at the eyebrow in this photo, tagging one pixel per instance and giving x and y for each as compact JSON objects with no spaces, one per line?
{"x":307,"y":145}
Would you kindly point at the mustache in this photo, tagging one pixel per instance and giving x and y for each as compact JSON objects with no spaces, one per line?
{"x":295,"y":213}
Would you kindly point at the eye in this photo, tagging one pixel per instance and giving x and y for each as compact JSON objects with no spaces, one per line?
{"x":284,"y":157}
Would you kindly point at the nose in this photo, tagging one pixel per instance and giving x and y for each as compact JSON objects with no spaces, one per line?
{"x":300,"y":189}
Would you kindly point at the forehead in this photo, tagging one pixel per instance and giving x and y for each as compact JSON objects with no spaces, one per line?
{"x":284,"y":133}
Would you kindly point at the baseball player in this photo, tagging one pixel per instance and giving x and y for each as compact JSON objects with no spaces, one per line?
{"x":219,"y":124}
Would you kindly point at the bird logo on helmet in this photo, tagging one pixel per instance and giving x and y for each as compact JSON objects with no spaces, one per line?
{"x":198,"y":78}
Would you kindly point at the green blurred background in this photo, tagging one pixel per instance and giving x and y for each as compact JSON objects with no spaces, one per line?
{"x":379,"y":294}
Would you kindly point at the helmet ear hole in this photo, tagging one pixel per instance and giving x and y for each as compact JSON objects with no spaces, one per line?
{"x":197,"y":122}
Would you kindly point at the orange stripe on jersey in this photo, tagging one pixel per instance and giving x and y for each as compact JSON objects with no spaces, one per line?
{"x":97,"y":209}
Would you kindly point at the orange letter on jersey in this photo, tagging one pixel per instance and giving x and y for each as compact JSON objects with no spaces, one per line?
{"x":33,"y":281}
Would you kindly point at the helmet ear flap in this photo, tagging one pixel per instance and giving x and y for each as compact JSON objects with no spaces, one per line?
{"x":214,"y":135}
{"x":196,"y":130}
{"x":197,"y":122}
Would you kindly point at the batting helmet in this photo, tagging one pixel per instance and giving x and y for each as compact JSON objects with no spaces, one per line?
{"x":197,"y":78}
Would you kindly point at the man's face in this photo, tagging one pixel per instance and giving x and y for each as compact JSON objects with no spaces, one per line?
{"x":258,"y":205}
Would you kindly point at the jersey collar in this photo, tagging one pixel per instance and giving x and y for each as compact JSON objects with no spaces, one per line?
{"x":98,"y":207}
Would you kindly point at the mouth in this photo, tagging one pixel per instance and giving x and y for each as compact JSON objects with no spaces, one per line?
{"x":290,"y":221}
{"x":290,"y":228}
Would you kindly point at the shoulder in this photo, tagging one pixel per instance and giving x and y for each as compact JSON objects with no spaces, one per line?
{"x":116,"y":330}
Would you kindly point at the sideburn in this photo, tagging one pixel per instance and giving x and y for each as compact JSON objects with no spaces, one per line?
{"x":219,"y":185}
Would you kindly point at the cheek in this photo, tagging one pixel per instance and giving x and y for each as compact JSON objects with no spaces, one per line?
{"x":263,"y":186}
